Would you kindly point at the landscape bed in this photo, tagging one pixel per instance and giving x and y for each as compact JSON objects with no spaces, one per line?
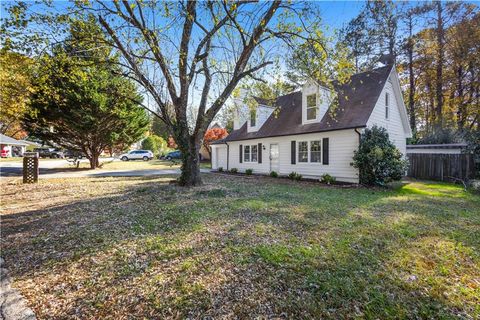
{"x":241,"y":248}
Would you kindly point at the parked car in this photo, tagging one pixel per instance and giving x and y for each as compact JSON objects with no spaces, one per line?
{"x":144,"y":155}
{"x":49,"y":153}
{"x":74,"y":154}
{"x":173,"y":155}
{"x":4,"y":153}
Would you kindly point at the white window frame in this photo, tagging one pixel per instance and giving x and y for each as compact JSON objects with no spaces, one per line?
{"x":314,"y":107}
{"x":309,"y":151}
{"x":253,"y":113}
{"x":245,"y":158}
{"x":298,"y":151}
{"x":319,"y":151}
{"x":387,"y":105}
{"x":250,"y":149}
{"x":254,"y":153}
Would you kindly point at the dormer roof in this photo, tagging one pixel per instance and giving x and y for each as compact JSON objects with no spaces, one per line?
{"x":356,"y":101}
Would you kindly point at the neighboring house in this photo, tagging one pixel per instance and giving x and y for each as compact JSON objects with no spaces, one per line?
{"x":10,"y":147}
{"x":30,"y":145}
{"x":204,"y":154}
{"x":315,"y":131}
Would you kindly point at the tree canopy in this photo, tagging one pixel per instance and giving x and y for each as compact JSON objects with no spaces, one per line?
{"x":82,"y":103}
{"x":15,"y":90}
{"x":187,"y":56}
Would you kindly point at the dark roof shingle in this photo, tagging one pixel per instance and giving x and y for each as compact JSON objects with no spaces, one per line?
{"x":356,"y":100}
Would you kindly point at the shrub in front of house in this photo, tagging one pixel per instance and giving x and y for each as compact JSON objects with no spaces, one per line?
{"x":377,"y":159}
{"x":220,"y":169}
{"x":234,"y":170}
{"x":248,"y":171}
{"x":295,"y":176}
{"x":273,"y":174}
{"x":328,"y":179}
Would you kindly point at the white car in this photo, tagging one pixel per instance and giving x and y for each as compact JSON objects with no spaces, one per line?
{"x":144,"y":155}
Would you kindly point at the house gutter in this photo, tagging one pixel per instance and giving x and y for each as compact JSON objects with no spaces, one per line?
{"x":228,"y":154}
{"x":359,"y":135}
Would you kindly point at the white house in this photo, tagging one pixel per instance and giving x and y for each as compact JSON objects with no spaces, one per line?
{"x":10,"y":147}
{"x":315,"y":131}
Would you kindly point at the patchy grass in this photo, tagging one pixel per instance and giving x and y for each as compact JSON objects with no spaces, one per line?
{"x":133,"y":165}
{"x":239,"y":247}
{"x":11,"y":159}
{"x":139,"y":165}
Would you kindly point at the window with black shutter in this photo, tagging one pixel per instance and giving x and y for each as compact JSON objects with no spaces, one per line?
{"x":259,"y":153}
{"x":241,"y":154}
{"x":293,"y":152}
{"x":325,"y":150}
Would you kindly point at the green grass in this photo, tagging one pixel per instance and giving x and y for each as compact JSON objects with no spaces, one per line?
{"x":243,"y":248}
{"x":139,"y":165}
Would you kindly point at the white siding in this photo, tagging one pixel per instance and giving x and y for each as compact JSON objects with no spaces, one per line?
{"x":324,"y":99}
{"x":341,"y":146}
{"x":219,"y":156}
{"x":262,"y":113}
{"x":393,"y":124}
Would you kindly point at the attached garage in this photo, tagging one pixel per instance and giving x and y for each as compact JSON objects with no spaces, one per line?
{"x":220,"y":156}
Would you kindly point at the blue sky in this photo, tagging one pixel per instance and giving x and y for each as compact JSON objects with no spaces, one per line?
{"x":334,"y":13}
{"x":337,"y":13}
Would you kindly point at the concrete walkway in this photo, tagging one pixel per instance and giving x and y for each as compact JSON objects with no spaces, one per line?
{"x":12,"y":304}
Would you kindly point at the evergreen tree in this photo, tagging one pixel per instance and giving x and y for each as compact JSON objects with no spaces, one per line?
{"x":81,"y":103}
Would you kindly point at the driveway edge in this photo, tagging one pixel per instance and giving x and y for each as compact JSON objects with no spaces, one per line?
{"x":12,"y":304}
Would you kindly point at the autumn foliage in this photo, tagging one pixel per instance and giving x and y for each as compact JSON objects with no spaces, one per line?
{"x":213,"y":134}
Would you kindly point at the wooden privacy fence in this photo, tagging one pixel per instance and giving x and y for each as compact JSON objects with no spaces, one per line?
{"x":441,"y":164}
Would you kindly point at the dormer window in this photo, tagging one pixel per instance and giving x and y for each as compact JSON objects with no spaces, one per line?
{"x":253,"y":118}
{"x":311,"y":107}
{"x":387,"y":98}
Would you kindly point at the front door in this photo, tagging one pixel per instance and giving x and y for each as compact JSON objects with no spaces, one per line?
{"x":274,"y":161}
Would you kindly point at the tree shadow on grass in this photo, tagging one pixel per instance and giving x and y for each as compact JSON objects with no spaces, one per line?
{"x":233,"y":249}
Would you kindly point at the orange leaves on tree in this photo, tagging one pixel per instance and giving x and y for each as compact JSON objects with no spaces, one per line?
{"x":213,"y":134}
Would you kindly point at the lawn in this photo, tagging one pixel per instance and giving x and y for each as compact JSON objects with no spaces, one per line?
{"x":11,"y":159}
{"x":242,"y":247}
{"x":137,"y":165}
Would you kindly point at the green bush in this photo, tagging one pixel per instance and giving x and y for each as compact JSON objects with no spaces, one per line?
{"x":273,"y":174}
{"x":473,"y":146}
{"x":220,"y":169}
{"x":248,"y":171}
{"x":377,"y":159}
{"x":295,"y":176}
{"x":154,"y":143}
{"x":234,"y":170}
{"x":328,"y":179}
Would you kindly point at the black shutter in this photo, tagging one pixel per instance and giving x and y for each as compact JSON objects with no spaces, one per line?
{"x":325,"y":150}
{"x":259,"y":153}
{"x":294,"y":152}
{"x":240,"y":153}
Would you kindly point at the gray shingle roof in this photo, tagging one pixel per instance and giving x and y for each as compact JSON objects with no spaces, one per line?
{"x":356,"y":100}
{"x":10,"y":141}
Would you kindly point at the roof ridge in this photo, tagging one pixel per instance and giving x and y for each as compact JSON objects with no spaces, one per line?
{"x":374,"y":70}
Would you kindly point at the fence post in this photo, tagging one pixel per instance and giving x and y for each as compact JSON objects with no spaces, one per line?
{"x":30,"y":167}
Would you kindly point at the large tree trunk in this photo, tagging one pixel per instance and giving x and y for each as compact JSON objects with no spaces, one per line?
{"x":189,"y":146}
{"x":190,"y":171}
{"x":439,"y":80}
{"x":411,"y":78}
